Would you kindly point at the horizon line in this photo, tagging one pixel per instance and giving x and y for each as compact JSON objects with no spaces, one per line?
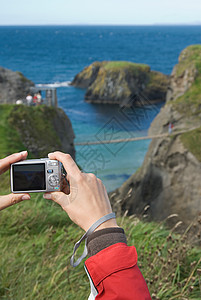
{"x":84,"y":24}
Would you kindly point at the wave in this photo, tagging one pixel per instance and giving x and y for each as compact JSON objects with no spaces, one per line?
{"x":77,"y":112}
{"x":55,"y":84}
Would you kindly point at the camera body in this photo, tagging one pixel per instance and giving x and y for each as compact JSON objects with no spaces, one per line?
{"x":36,"y":175}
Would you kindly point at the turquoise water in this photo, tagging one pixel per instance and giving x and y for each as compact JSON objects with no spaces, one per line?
{"x":55,"y":54}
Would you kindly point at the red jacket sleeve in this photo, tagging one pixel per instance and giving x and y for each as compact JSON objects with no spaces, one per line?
{"x":115,"y":274}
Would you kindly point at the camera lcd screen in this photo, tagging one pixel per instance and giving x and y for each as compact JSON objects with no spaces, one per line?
{"x":29,"y":177}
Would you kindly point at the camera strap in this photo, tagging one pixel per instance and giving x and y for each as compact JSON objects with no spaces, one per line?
{"x":85,"y":236}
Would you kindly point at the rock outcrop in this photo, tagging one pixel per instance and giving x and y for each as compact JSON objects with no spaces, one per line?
{"x":42,"y":129}
{"x":13,"y":86}
{"x":169,"y":179}
{"x":116,"y":82}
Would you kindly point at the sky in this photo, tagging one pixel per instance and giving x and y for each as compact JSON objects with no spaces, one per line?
{"x":99,"y":12}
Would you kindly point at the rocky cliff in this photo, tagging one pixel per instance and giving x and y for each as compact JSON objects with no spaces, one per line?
{"x":13,"y":86}
{"x":169,"y":179}
{"x":40,"y":129}
{"x":116,"y":82}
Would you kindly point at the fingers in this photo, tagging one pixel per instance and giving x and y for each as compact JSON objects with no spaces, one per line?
{"x":7,"y":161}
{"x":68,"y":163}
{"x":58,"y":197}
{"x":8,"y":200}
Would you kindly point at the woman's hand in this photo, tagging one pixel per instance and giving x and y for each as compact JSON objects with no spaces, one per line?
{"x":8,"y":200}
{"x":86,"y":200}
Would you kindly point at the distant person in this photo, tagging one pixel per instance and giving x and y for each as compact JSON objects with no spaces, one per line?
{"x":39,"y":98}
{"x":170,"y":127}
{"x":29,"y":99}
{"x":35,"y":99}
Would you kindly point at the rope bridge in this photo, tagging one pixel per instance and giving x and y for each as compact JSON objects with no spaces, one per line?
{"x":150,"y":137}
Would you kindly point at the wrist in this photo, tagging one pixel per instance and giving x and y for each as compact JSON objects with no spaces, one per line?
{"x":108,"y":224}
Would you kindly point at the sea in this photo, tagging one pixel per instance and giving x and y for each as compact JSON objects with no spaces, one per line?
{"x":53,"y":55}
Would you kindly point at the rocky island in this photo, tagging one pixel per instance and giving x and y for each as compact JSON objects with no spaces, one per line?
{"x":116,"y":82}
{"x":169,"y":180}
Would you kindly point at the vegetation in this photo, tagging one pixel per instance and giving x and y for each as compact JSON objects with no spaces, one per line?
{"x":130,"y":66}
{"x":36,"y":242}
{"x":87,"y":73}
{"x":31,"y":128}
{"x":192,"y":141}
{"x":37,"y":238}
{"x":105,"y":76}
{"x":9,"y":137}
{"x":157,"y":80}
{"x":190,"y":102}
{"x":189,"y":58}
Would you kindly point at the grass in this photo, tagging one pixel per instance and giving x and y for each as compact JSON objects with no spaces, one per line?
{"x":192,"y":141}
{"x":190,"y":56}
{"x":190,"y":102}
{"x":30,"y":128}
{"x":119,"y":65}
{"x":9,"y":137}
{"x":35,"y":125}
{"x":36,"y":242}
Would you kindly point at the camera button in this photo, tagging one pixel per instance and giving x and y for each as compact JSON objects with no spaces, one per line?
{"x":53,"y":180}
{"x":53,"y":163}
{"x":49,"y":171}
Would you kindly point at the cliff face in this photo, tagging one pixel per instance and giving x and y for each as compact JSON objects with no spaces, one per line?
{"x":169,"y":179}
{"x":13,"y":86}
{"x":116,"y":82}
{"x":42,"y":129}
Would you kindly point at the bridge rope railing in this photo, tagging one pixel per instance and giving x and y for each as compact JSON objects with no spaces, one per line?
{"x":133,"y":139}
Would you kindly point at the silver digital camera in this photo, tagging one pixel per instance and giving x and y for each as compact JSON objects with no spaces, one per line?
{"x":36,"y":175}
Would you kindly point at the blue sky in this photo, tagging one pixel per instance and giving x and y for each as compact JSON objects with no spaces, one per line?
{"x":46,"y":12}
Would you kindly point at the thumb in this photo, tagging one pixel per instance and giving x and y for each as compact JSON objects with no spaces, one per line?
{"x":59,"y":197}
{"x":8,"y":200}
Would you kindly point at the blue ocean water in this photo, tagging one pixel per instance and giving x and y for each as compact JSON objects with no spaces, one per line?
{"x":55,"y":54}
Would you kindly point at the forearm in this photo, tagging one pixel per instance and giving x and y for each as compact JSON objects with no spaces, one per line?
{"x":112,"y":267}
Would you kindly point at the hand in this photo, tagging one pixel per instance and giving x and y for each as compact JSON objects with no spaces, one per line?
{"x":86,"y":200}
{"x":8,"y":200}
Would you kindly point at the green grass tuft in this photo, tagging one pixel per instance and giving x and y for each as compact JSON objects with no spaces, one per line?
{"x":190,"y":57}
{"x":120,"y":65}
{"x":192,"y":141}
{"x":22,"y":127}
{"x":9,"y":137}
{"x":190,"y":102}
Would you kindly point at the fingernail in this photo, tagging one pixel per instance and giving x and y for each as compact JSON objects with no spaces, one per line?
{"x":23,"y":153}
{"x":47,"y":196}
{"x":50,"y":153}
{"x":26,"y":197}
